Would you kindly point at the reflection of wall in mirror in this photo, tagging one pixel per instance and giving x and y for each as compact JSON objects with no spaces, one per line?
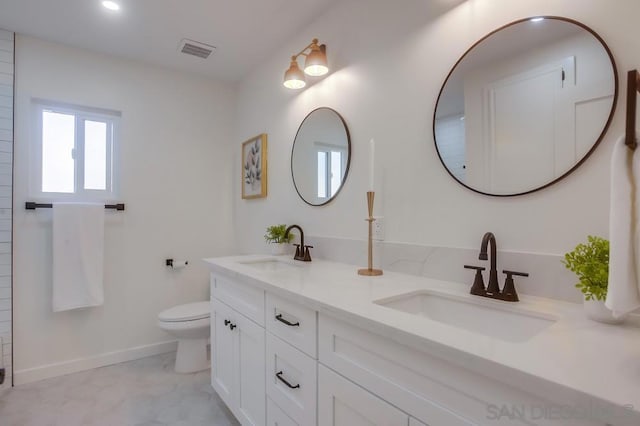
{"x":451,"y":146}
{"x":501,"y":158}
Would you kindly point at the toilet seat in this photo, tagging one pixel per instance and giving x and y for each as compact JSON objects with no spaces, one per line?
{"x":186,"y":312}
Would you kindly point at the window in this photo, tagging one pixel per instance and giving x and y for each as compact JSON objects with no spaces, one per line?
{"x":331,"y":166}
{"x":75,"y":153}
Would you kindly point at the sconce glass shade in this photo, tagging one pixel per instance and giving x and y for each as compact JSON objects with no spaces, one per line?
{"x":294,"y":77}
{"x":316,"y":62}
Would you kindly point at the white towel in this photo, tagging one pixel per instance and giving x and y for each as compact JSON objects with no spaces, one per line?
{"x":623,"y":294}
{"x":78,"y":255}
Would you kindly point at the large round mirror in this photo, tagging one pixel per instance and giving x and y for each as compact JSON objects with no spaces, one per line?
{"x":525,"y":106}
{"x":320,"y":156}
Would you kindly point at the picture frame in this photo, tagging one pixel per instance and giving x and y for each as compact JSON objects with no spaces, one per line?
{"x":254,"y":167}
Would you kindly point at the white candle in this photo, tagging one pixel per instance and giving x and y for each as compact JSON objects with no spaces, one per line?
{"x":372,"y":150}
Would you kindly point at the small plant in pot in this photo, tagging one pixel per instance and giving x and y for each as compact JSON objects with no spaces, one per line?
{"x":276,"y":237}
{"x":590,"y":262}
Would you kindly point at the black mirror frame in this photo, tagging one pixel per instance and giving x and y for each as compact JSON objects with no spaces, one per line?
{"x":346,"y":173}
{"x":586,"y":156}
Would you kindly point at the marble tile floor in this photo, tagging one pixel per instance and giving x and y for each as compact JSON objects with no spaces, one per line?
{"x":141,"y":392}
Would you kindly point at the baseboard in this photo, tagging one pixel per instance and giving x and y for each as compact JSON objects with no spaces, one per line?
{"x":20,"y":377}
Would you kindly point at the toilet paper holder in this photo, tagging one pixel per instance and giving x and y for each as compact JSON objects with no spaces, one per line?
{"x":169,"y":262}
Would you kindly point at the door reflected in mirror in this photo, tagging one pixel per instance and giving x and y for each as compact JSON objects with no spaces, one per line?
{"x":525,"y":106}
{"x":320,"y":156}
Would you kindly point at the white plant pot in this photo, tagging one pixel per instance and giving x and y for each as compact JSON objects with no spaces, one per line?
{"x":278,"y":249}
{"x":596,"y":310}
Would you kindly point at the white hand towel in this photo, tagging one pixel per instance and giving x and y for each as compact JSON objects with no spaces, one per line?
{"x":78,"y":255}
{"x":623,"y":294}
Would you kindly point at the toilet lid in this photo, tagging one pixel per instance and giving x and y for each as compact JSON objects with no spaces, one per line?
{"x":187,"y":312}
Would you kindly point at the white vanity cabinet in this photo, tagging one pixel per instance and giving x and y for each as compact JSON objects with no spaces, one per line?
{"x":238,"y":359}
{"x":277,"y":361}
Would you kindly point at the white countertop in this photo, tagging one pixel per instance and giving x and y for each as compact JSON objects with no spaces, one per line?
{"x":574,"y":354}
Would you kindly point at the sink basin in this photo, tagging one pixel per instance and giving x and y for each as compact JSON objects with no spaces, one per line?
{"x":487,"y":317}
{"x":269,"y":264}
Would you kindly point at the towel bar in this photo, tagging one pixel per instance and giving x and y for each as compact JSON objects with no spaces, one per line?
{"x":30,"y":205}
{"x":633,"y":86}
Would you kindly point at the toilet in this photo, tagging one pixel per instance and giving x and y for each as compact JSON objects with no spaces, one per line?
{"x":189,"y":324}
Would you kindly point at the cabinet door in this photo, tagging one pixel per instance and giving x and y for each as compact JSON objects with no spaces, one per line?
{"x":343,"y":403}
{"x":251,"y":403}
{"x":223,"y":360}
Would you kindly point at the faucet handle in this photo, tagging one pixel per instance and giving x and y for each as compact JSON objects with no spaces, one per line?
{"x":307,"y":254}
{"x":519,"y":274}
{"x":509,"y":292}
{"x":478,"y":287}
{"x":297,"y":255}
{"x":477,"y":268}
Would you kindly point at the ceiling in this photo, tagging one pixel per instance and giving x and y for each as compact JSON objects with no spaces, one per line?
{"x":244,"y":31}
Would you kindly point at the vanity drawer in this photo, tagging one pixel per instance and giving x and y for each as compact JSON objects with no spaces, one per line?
{"x":343,"y":403}
{"x":392,"y":372}
{"x":295,"y":324}
{"x":291,"y":380}
{"x":277,"y":417}
{"x":246,"y":299}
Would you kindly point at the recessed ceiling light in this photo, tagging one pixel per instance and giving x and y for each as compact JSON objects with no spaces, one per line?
{"x":538,"y":19}
{"x":111,"y":5}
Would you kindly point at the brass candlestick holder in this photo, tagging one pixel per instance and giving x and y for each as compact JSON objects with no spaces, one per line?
{"x":370,"y":271}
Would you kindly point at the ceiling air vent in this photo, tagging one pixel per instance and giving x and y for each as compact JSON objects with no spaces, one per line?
{"x":194,"y":48}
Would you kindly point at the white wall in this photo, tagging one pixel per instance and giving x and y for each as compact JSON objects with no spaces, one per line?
{"x":175,"y":180}
{"x":389,"y":64}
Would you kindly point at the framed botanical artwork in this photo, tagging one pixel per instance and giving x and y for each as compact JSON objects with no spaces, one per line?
{"x":254,"y":167}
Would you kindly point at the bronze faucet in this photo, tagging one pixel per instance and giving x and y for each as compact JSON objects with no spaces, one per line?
{"x":302,"y":251}
{"x":493,"y":287}
{"x":492,"y":290}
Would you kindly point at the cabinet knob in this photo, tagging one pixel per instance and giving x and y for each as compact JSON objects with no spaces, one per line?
{"x":232,"y":326}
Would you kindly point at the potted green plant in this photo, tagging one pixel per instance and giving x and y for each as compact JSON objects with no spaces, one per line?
{"x":590,"y":262}
{"x":276,"y":237}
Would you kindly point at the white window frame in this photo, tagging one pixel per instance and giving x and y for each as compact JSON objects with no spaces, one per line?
{"x":81,"y":114}
{"x":328,"y":149}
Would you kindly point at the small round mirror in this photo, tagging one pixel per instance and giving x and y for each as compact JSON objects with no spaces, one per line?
{"x":525,"y":106}
{"x":320,"y":156}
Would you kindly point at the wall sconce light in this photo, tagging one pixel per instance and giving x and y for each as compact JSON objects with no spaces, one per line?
{"x":315,"y":65}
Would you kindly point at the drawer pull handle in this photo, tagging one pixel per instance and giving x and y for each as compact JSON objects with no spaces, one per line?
{"x":290,"y":324}
{"x":227,"y":322}
{"x":279,"y":376}
{"x":232,"y":326}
